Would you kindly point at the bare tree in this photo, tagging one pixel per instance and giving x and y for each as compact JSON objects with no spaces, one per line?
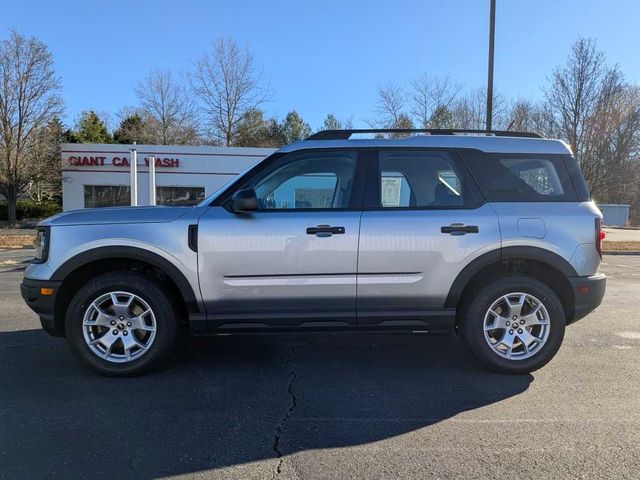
{"x":470,"y":111}
{"x":431,"y":96}
{"x":29,"y":100}
{"x":528,"y":116}
{"x":598,"y":112}
{"x":574,"y":89}
{"x":45,"y":171}
{"x":594,"y":109}
{"x":168,"y":108}
{"x":390,"y":106}
{"x":228,"y":84}
{"x":611,"y":146}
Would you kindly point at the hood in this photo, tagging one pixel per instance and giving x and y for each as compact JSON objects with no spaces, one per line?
{"x":101,"y":216}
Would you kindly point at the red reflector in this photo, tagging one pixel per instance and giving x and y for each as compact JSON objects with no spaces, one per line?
{"x":602,"y":235}
{"x":583,"y":289}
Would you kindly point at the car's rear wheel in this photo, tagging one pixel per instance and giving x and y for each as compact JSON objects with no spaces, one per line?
{"x":515,"y":324}
{"x":122,"y":323}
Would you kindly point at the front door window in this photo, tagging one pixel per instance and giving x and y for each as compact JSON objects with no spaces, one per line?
{"x":313,"y":181}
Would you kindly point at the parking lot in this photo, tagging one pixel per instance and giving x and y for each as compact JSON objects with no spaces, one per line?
{"x":325,"y":406}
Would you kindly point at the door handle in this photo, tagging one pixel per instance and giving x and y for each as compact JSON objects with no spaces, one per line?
{"x":324,"y":230}
{"x":459,"y":229}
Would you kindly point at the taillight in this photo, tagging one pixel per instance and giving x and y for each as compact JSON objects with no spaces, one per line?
{"x":600,"y":234}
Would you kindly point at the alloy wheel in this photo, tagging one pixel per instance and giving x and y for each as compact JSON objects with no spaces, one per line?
{"x":119,"y":327}
{"x":516,"y":326}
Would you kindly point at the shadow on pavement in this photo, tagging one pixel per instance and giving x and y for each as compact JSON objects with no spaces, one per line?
{"x":227,"y":401}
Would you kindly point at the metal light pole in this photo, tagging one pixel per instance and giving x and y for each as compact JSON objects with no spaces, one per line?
{"x":492,"y":35}
{"x":134,"y":175}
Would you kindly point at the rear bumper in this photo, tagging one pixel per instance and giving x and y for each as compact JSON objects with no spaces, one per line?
{"x":43,"y":305}
{"x":588,"y":293}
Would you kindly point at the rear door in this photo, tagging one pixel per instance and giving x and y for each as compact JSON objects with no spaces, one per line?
{"x":422,"y":224}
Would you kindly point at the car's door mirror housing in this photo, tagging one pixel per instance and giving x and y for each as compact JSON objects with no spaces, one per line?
{"x":244,"y":200}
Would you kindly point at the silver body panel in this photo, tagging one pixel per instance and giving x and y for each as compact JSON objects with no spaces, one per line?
{"x":260,"y":266}
{"x":111,"y":227}
{"x":116,"y":215}
{"x":406,"y":265}
{"x":564,"y":228}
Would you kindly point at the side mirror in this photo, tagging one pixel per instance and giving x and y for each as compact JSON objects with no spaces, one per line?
{"x":244,"y":201}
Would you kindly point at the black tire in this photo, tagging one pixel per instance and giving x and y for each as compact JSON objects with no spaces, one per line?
{"x":472,"y":323}
{"x":148,"y":289}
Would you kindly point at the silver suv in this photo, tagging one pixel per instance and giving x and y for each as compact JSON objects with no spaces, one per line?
{"x":491,"y":235}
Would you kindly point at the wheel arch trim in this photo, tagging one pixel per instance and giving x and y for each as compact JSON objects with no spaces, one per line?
{"x":485,"y":260}
{"x":133,"y":253}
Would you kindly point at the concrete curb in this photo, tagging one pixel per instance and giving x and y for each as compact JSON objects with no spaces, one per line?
{"x":17,"y":247}
{"x":619,"y":252}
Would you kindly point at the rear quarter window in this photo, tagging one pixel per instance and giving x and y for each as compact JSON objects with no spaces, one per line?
{"x":521,"y":178}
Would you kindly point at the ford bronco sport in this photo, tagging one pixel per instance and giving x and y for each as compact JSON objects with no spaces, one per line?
{"x":491,"y":235}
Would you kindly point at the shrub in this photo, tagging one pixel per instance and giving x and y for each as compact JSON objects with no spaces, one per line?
{"x":31,"y":209}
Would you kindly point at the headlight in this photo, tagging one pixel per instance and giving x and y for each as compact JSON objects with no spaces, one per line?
{"x":42,"y":244}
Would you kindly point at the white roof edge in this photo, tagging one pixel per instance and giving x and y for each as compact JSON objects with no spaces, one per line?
{"x":487,"y":144}
{"x":172,"y":149}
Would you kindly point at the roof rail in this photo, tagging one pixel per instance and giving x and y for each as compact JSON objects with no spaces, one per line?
{"x":346,"y":134}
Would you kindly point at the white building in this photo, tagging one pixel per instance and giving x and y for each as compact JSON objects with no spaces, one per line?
{"x":98,"y":175}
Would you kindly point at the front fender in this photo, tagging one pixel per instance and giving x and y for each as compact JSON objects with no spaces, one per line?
{"x":164,"y":245}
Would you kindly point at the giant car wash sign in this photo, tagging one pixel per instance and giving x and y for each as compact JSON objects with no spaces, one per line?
{"x":117,"y":160}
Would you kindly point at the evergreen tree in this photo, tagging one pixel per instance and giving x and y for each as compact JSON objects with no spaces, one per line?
{"x":331,"y":123}
{"x":404,"y":122}
{"x":256,"y":131}
{"x":91,"y":129}
{"x":294,"y":128}
{"x":131,"y":129}
{"x":442,"y":117}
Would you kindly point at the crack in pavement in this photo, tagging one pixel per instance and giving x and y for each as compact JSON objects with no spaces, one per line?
{"x":292,"y":406}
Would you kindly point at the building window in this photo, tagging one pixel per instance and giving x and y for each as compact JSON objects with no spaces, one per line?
{"x":175,"y":196}
{"x":106,"y":196}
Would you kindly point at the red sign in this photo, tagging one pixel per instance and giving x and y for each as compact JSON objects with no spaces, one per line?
{"x":87,"y":161}
{"x":92,"y":161}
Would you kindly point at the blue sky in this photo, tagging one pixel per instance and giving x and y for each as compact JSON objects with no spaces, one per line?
{"x":321,"y":56}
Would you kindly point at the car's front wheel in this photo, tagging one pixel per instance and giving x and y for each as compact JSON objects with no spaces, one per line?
{"x":514,"y":324}
{"x":122,"y":323}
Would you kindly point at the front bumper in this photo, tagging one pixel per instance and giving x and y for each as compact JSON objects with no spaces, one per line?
{"x":587,"y":293}
{"x":43,"y":305}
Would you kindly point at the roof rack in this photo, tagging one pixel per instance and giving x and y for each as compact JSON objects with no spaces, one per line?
{"x":346,"y":134}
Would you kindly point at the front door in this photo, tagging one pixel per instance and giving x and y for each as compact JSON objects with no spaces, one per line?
{"x":422,"y":223}
{"x":293,"y":262}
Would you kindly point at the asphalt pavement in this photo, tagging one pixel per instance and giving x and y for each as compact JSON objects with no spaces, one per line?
{"x":325,"y":406}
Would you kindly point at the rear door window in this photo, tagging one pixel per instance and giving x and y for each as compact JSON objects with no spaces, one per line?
{"x":414,"y":179}
{"x":522,"y":178}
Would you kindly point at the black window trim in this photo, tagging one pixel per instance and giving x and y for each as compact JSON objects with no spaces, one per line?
{"x":472,"y":198}
{"x":577,"y":178}
{"x":357,"y":190}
